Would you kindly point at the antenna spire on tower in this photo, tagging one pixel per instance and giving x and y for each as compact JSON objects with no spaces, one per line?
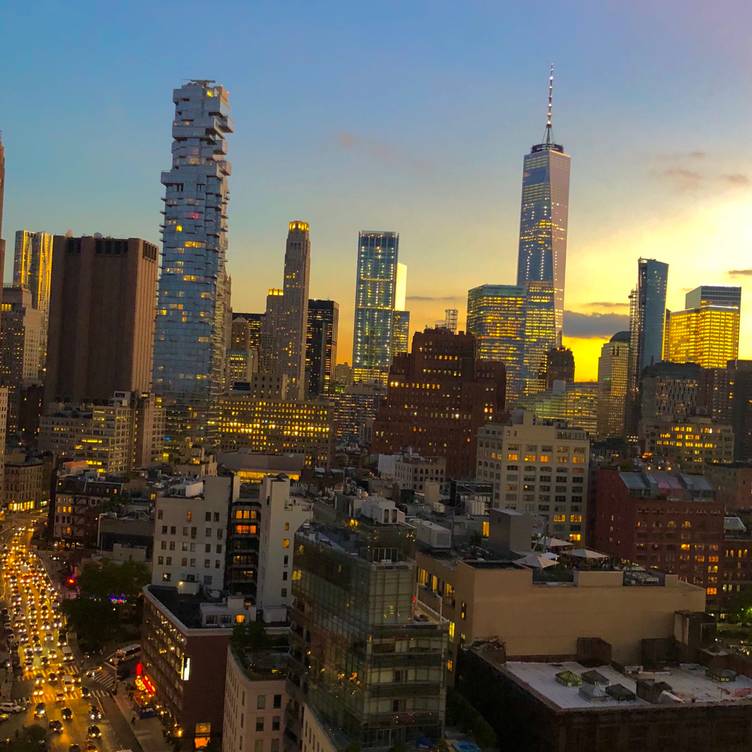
{"x":550,"y":108}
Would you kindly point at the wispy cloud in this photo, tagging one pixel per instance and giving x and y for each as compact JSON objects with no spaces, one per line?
{"x":690,"y":172}
{"x":608,"y":304}
{"x":435,"y":298}
{"x":379,"y":151}
{"x":739,"y":272}
{"x":589,"y":325}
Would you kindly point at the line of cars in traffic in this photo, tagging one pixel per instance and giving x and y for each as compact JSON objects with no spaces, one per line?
{"x":35,"y":633}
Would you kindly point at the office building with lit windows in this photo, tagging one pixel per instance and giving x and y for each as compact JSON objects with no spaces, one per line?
{"x":276,"y":426}
{"x":574,"y":405}
{"x":540,"y":469}
{"x":321,"y":346}
{"x":689,"y":443}
{"x":664,"y":520}
{"x":707,"y":331}
{"x":380,"y":290}
{"x":400,"y":333}
{"x":514,"y":324}
{"x":613,"y":381}
{"x":544,"y":216}
{"x":285,"y":326}
{"x":243,"y":351}
{"x":191,"y":330}
{"x":113,"y":436}
{"x":32,"y":269}
{"x":438,"y":396}
{"x":22,"y":328}
{"x":366,"y":662}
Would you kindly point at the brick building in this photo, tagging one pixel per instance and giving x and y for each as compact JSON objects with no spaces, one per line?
{"x":668,"y":521}
{"x":438,"y":396}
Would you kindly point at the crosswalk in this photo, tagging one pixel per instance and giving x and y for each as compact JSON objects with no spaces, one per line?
{"x":105,"y":678}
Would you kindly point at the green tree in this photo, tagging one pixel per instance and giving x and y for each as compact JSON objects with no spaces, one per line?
{"x":250,"y":636}
{"x":94,"y":621}
{"x":29,"y":739}
{"x":106,"y":578}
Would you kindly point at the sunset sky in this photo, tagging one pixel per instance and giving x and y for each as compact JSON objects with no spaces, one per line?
{"x":408,"y":116}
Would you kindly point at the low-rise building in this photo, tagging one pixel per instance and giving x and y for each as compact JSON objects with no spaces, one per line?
{"x":573,"y":404}
{"x":564,"y":706}
{"x":413,"y":472}
{"x":80,"y":499}
{"x":27,"y":481}
{"x":539,"y":468}
{"x":184,"y":655}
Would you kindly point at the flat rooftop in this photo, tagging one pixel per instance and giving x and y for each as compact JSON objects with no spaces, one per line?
{"x":688,"y":681}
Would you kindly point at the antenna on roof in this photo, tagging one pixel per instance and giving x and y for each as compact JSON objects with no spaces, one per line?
{"x":550,"y":109}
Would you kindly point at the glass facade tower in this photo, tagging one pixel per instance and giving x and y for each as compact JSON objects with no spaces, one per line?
{"x":191,"y":327}
{"x":380,"y":282}
{"x":544,"y":216}
{"x":647,"y":316}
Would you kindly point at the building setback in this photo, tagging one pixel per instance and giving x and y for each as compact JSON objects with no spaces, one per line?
{"x":101,"y":327}
{"x":283,"y":335}
{"x":438,"y":396}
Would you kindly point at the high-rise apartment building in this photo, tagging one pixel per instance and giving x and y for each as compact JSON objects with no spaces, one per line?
{"x":691,"y":442}
{"x":707,"y":331}
{"x":190,"y":528}
{"x":438,"y":396}
{"x":244,"y":348}
{"x":191,"y":331}
{"x":321,"y":346}
{"x":574,"y":404}
{"x":538,"y":468}
{"x":647,"y":315}
{"x":379,"y":292}
{"x":515,"y":325}
{"x":101,"y":331}
{"x":544,"y":216}
{"x":613,"y":377}
{"x":32,"y":269}
{"x":21,"y":328}
{"x":283,"y":345}
{"x":366,"y":665}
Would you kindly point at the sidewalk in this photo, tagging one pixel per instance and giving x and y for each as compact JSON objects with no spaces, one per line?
{"x":148,"y":731}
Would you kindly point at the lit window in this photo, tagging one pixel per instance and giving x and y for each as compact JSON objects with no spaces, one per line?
{"x":285,"y":543}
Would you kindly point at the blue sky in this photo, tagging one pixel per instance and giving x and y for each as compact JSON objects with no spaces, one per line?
{"x":411,"y":116}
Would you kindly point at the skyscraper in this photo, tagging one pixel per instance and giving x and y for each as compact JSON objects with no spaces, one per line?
{"x":707,"y":331}
{"x":514,"y":324}
{"x":190,"y":339}
{"x":2,"y":196}
{"x":613,"y":372}
{"x":21,"y":326}
{"x":647,"y":315}
{"x":400,"y":332}
{"x":32,"y":269}
{"x":101,"y":318}
{"x":449,"y":321}
{"x":544,"y":215}
{"x":321,"y":346}
{"x":283,"y":347}
{"x":243,"y":351}
{"x":379,"y":291}
{"x":559,"y":365}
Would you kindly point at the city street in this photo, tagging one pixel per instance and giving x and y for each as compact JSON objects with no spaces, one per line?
{"x":47,"y":681}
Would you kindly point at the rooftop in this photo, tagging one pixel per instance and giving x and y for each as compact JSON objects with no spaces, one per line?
{"x":688,"y":683}
{"x":659,"y":484}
